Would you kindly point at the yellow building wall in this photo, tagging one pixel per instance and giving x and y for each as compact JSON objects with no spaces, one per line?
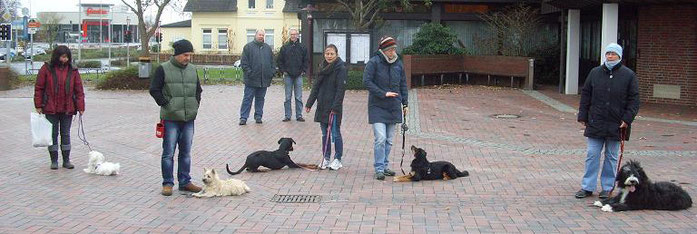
{"x":238,"y":23}
{"x":170,"y":35}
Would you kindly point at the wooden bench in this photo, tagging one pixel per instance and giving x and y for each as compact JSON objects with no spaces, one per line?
{"x":513,"y":67}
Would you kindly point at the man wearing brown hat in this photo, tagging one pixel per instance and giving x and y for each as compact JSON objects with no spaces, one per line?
{"x":177,"y":90}
{"x":387,"y":99}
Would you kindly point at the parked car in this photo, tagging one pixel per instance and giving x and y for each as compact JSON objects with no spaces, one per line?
{"x":28,"y":53}
{"x":3,"y":52}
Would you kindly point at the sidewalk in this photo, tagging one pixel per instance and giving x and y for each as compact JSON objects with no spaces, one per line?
{"x":523,"y":172}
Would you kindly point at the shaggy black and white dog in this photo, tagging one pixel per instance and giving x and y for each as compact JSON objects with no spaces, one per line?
{"x":639,"y":193}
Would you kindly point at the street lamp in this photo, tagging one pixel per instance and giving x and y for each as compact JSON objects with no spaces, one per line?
{"x":309,"y":8}
{"x":128,"y":47}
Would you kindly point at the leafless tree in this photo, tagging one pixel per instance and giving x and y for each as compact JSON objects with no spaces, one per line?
{"x":141,"y":8}
{"x":50,"y":25}
{"x":364,"y":13}
{"x":511,"y":31}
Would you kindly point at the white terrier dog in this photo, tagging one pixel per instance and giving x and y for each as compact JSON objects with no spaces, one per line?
{"x":98,"y":165}
{"x":214,"y":187}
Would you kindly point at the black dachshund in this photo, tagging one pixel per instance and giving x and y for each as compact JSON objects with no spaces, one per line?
{"x":273,"y":160}
{"x":422,"y":169}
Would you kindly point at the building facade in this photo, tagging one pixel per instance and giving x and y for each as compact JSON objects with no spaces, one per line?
{"x":225,"y":26}
{"x":97,"y":21}
{"x":659,"y":40}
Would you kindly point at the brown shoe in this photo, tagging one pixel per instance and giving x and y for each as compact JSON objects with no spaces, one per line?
{"x":190,"y":187}
{"x":167,"y":190}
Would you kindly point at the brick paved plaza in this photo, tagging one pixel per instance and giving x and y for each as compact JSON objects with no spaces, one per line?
{"x":523,"y":172}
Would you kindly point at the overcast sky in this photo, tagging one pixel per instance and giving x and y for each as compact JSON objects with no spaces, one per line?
{"x":169,"y":16}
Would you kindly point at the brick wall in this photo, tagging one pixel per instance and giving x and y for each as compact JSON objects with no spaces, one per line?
{"x":667,"y":52}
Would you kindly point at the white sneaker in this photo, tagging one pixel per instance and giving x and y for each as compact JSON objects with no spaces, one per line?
{"x":336,"y":164}
{"x":324,"y":164}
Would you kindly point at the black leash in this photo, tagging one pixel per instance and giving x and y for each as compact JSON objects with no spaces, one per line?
{"x":404,"y":137}
{"x":81,"y":133}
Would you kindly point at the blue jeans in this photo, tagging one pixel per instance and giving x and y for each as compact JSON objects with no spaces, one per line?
{"x":293,"y":84}
{"x":182,"y":134}
{"x":607,"y":177}
{"x":335,"y":137}
{"x":384,"y":133}
{"x":258,"y":95}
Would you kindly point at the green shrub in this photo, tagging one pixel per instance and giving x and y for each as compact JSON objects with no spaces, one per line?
{"x":434,"y":38}
{"x":118,"y":63}
{"x":355,"y":80}
{"x":126,"y":78}
{"x":89,"y":64}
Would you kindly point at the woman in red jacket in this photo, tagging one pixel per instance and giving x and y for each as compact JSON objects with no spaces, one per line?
{"x":58,"y":93}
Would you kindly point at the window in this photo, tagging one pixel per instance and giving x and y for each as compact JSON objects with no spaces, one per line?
{"x":360,"y":48}
{"x":250,"y":35}
{"x":269,"y":4}
{"x":207,"y":42}
{"x":222,"y":39}
{"x":339,"y":40}
{"x":252,"y":4}
{"x":268,"y":39}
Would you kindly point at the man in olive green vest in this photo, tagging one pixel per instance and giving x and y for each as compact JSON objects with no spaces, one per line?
{"x":177,"y":90}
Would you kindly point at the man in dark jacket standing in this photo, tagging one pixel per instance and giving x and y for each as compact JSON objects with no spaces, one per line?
{"x":387,"y":85}
{"x":258,"y":67}
{"x":609,"y":103}
{"x":292,"y":60}
{"x":177,"y":90}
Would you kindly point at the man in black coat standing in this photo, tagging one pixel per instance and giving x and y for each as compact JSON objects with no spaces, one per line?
{"x":609,"y":103}
{"x":258,"y":68}
{"x":293,"y":62}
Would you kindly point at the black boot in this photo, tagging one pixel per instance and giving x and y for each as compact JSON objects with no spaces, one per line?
{"x":54,"y":159}
{"x":66,"y":159}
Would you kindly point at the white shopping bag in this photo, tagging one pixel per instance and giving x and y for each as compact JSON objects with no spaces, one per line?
{"x":41,"y":130}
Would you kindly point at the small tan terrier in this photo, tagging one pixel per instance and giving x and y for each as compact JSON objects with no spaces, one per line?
{"x":213,"y":186}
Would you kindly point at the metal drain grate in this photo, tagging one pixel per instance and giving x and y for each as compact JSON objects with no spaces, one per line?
{"x":296,"y":198}
{"x":505,"y":116}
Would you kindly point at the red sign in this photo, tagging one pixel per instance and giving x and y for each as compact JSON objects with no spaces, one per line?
{"x":34,"y":24}
{"x":91,"y":11}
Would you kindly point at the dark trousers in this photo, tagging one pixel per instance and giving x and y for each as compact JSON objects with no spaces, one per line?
{"x":61,"y":124}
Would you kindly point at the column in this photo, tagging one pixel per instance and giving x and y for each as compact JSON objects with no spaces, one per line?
{"x":573,"y":48}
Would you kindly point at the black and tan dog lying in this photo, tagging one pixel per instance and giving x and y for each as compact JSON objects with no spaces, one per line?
{"x":273,"y":160}
{"x":422,"y":169}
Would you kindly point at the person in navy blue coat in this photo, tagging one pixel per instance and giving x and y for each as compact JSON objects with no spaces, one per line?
{"x":386,"y":82}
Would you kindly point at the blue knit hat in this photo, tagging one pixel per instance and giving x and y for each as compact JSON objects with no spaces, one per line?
{"x":614,"y":47}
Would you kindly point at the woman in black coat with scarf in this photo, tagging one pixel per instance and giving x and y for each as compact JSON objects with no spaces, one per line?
{"x":609,"y":103}
{"x":328,"y":90}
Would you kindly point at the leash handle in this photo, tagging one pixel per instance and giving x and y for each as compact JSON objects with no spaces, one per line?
{"x":81,"y":133}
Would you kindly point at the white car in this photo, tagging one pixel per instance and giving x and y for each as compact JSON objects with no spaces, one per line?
{"x":29,"y":52}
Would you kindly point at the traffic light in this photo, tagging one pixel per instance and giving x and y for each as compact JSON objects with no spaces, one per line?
{"x":127,"y":36}
{"x":6,"y":32}
{"x":159,"y":37}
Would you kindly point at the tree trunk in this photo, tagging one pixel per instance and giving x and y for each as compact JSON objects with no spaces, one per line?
{"x":144,"y":40}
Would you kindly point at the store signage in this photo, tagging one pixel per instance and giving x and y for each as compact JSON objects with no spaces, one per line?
{"x":98,"y":11}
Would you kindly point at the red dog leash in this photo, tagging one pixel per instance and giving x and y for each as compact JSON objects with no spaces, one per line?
{"x":619,"y":160}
